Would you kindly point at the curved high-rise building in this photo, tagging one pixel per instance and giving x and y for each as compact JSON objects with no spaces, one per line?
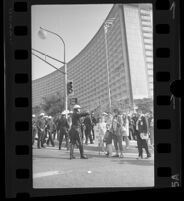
{"x":119,"y":57}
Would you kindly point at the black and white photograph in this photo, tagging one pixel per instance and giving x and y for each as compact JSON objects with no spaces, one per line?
{"x":92,"y":95}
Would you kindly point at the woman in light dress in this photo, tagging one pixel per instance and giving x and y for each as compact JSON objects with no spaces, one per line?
{"x":100,"y":131}
{"x":126,"y":129}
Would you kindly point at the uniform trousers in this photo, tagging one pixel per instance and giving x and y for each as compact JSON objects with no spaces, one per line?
{"x":41,"y":138}
{"x":50,"y":139}
{"x":75,"y":136}
{"x":63,"y":133}
{"x":34,"y":130}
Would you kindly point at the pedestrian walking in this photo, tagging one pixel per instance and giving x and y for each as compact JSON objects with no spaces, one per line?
{"x":108,"y":140}
{"x":126,"y":130}
{"x":75,"y":132}
{"x":63,"y":127}
{"x":100,"y":130}
{"x":142,"y":137}
{"x":117,"y":132}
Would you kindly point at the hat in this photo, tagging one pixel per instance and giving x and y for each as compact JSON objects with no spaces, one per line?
{"x":65,"y":112}
{"x":50,"y":117}
{"x":104,"y":113}
{"x":33,"y":115}
{"x":76,"y":107}
{"x":42,"y":114}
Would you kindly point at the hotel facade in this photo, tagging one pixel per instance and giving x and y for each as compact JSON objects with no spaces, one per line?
{"x":123,"y":53}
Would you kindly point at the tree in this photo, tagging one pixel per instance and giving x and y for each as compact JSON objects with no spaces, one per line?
{"x":36,"y":110}
{"x":53,"y":104}
{"x":145,"y":104}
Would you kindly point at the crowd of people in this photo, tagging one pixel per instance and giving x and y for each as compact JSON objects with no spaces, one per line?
{"x":110,"y":129}
{"x":118,"y":127}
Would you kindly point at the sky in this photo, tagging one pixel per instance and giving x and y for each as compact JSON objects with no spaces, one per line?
{"x":76,"y":24}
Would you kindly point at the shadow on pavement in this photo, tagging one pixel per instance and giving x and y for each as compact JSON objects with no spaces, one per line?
{"x":125,"y":160}
{"x":51,"y":157}
{"x":142,"y":162}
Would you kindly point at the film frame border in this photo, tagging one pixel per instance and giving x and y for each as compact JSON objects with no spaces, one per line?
{"x":18,"y":83}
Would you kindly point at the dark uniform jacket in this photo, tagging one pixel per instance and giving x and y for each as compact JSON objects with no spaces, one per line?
{"x":51,"y":126}
{"x":75,"y":132}
{"x":76,"y":119}
{"x":63,"y":125}
{"x":40,"y":124}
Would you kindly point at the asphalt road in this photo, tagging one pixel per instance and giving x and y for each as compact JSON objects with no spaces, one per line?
{"x":52,"y":168}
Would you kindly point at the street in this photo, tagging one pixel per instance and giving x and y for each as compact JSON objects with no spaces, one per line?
{"x":52,"y":168}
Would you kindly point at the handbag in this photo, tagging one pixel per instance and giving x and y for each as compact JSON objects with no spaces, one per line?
{"x":144,"y":136}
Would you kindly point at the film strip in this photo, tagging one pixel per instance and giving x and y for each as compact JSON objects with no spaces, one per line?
{"x":18,"y":103}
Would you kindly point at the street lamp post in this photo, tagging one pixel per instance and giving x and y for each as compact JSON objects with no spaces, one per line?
{"x":107,"y":60}
{"x":107,"y":24}
{"x":42,"y":33}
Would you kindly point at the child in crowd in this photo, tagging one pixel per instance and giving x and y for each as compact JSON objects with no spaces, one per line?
{"x":108,"y":140}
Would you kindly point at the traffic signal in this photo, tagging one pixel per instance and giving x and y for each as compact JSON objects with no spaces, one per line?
{"x":69,"y":87}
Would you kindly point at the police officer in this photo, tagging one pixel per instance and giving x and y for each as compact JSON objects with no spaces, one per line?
{"x":34,"y":128}
{"x":63,"y":127}
{"x":41,"y":130}
{"x":50,"y":131}
{"x":75,"y":132}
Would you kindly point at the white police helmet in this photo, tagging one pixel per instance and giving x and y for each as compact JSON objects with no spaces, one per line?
{"x":76,"y":107}
{"x":42,"y":114}
{"x":33,"y":115}
{"x":50,"y":117}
